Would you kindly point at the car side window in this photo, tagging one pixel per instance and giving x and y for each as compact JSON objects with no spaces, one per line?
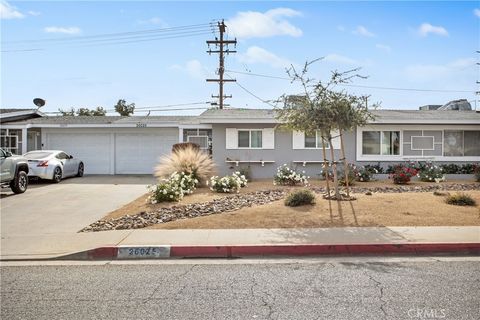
{"x":2,"y":154}
{"x":62,"y":156}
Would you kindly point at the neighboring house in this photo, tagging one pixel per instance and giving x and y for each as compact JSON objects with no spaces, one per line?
{"x":252,"y":138}
{"x":13,"y":139}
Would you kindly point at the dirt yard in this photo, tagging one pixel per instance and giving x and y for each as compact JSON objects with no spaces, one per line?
{"x":379,"y":209}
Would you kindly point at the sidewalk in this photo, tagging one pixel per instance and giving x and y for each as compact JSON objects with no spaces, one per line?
{"x":144,"y":244}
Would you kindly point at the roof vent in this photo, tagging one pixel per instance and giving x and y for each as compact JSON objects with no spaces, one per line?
{"x":460,"y":105}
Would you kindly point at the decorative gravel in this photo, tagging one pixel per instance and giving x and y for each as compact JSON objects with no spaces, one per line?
{"x":162,"y":215}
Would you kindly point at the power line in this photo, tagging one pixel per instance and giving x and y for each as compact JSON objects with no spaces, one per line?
{"x":119,"y":38}
{"x":251,"y":93}
{"x":110,"y":35}
{"x":357,"y":86}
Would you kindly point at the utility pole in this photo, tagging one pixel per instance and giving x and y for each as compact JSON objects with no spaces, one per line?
{"x":222,"y":46}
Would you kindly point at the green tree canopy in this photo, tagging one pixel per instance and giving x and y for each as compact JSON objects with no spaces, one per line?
{"x":99,"y":111}
{"x":124,"y":109}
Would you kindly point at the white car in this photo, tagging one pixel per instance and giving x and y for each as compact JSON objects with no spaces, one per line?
{"x":53,"y":165}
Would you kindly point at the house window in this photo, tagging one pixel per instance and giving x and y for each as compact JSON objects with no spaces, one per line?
{"x":250,"y":138}
{"x":314,"y":141}
{"x":381,"y":142}
{"x":11,"y":140}
{"x":461,"y":143}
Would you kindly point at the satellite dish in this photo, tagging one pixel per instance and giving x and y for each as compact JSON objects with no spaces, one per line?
{"x":39,"y":102}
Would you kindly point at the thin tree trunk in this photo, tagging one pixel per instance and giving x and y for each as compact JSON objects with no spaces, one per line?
{"x":326,"y":165}
{"x":334,"y":166}
{"x":346,"y":169}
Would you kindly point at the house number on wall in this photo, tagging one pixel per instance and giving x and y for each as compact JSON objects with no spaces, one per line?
{"x":141,"y":125}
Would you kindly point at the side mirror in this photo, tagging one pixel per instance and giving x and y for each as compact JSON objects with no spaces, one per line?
{"x":8,"y":154}
{"x":70,"y":157}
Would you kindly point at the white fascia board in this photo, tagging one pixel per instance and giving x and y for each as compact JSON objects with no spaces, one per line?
{"x":122,"y":125}
{"x":239,"y":120}
{"x":195,"y":126}
{"x":429,"y":122}
{"x":18,"y":113}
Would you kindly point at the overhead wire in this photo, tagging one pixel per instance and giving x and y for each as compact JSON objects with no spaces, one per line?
{"x":358,"y":86}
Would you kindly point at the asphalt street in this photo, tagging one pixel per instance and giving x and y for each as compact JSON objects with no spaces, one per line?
{"x":322,"y":288}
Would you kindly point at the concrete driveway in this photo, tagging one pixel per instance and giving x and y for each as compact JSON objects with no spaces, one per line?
{"x":67,"y":207}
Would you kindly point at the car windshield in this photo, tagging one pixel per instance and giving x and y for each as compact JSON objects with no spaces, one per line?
{"x":36,"y":155}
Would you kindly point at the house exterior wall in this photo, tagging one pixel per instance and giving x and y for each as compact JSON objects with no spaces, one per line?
{"x":283,"y":152}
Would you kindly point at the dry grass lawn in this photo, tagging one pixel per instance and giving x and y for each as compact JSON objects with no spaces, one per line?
{"x":380,"y":209}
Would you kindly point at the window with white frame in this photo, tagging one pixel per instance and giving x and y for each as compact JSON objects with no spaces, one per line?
{"x":458,"y":143}
{"x":250,"y":139}
{"x":314,"y":141}
{"x":381,"y":142}
{"x":11,"y":140}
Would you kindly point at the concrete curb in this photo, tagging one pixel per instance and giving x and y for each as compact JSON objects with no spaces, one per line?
{"x":238,"y":251}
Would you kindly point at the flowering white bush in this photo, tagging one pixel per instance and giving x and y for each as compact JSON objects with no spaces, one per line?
{"x":165,"y":191}
{"x":172,"y":189}
{"x":287,"y":176}
{"x":187,"y":182}
{"x":431,"y":172}
{"x":365,"y":173}
{"x":228,"y":184}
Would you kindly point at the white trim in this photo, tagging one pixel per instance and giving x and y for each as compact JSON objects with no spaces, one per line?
{"x":237,"y":162}
{"x":411,"y":142}
{"x":195,"y":126}
{"x":20,"y":113}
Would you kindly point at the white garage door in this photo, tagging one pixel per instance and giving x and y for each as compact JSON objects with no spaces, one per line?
{"x":92,"y":148}
{"x":138,"y":153}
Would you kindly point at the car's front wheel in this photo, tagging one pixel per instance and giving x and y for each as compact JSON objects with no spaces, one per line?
{"x":57,"y":175}
{"x":20,"y":183}
{"x":81,"y":169}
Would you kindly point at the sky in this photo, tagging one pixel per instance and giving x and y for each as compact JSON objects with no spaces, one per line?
{"x":93,"y":53}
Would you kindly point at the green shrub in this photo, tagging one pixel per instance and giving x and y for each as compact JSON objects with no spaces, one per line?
{"x":300,"y":198}
{"x":431,"y":172}
{"x":460,"y":199}
{"x":352,"y":174}
{"x":476,"y":172}
{"x":366,"y":173}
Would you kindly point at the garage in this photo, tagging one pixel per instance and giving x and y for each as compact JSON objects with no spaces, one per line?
{"x":138,"y":153}
{"x":92,"y":148}
{"x":115,"y":150}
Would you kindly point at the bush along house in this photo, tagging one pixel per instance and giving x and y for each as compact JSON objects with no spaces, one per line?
{"x":251,"y":138}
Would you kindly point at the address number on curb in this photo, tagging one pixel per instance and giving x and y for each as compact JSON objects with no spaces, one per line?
{"x":143,"y":252}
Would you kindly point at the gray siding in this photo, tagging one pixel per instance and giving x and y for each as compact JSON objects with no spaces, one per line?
{"x":283,"y":152}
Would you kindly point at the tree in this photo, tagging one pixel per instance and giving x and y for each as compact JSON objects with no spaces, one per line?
{"x":123,"y":108}
{"x":70,"y":112}
{"x":322,"y":108}
{"x":99,"y":111}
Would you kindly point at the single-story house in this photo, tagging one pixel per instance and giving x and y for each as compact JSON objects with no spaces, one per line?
{"x":247,"y":138}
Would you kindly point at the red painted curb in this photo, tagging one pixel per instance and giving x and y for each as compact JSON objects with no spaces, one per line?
{"x":314,"y":249}
{"x":103,"y":253}
{"x":231,"y":251}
